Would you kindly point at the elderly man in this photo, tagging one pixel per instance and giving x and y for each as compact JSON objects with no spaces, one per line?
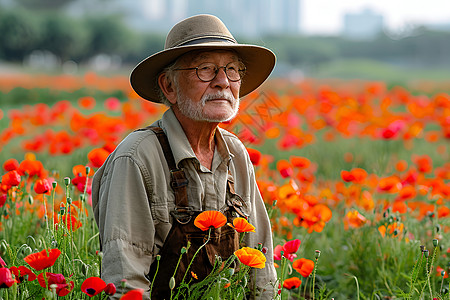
{"x":159,"y":177}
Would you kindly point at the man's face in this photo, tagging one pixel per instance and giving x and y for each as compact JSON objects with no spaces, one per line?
{"x":213,"y":101}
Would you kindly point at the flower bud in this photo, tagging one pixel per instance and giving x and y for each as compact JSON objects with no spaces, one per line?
{"x":110,"y":289}
{"x":317,"y":254}
{"x":158,"y":257}
{"x":30,"y":200}
{"x":123,"y":283}
{"x":435,"y":242}
{"x":67,"y":181}
{"x":88,"y":170}
{"x":442,"y":273}
{"x":69,"y":200}
{"x":54,"y":184}
{"x":172,"y":283}
{"x":183,"y":250}
{"x":427,"y":253}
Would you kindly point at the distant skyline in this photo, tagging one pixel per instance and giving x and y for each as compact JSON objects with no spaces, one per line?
{"x":326,"y":16}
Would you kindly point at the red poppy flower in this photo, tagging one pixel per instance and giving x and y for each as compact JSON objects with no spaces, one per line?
{"x":72,"y":223}
{"x":292,"y":283}
{"x":42,"y":260}
{"x":12,"y":178}
{"x":303,"y":266}
{"x":133,"y":295}
{"x":42,"y":186}
{"x":255,"y":156}
{"x":93,"y":286}
{"x":292,"y":246}
{"x":242,"y":225}
{"x":21,"y":272}
{"x":277,"y":253}
{"x":2,"y":262}
{"x":3,"y":198}
{"x":11,"y":165}
{"x":6,"y":279}
{"x":284,"y":167}
{"x":300,"y":162}
{"x":354,"y":219}
{"x":58,"y":280}
{"x":110,"y":289}
{"x":251,"y":257}
{"x":210,"y":218}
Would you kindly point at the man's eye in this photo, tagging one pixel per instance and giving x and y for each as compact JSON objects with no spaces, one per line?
{"x":206,"y":68}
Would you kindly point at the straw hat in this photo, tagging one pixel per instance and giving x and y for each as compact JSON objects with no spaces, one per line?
{"x":201,"y":32}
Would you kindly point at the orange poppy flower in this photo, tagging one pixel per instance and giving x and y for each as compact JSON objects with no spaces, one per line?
{"x":284,"y":167}
{"x":424,"y":163}
{"x":251,"y":257}
{"x":12,"y":178}
{"x":390,"y":184}
{"x":300,"y":162}
{"x":303,"y":266}
{"x":80,"y":170}
{"x":292,"y":283}
{"x":354,"y":219}
{"x":86,"y":102}
{"x":210,"y":218}
{"x":44,"y":259}
{"x":98,"y":156}
{"x":242,"y":225}
{"x":10,"y":164}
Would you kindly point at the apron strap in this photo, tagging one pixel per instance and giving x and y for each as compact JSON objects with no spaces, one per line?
{"x":178,"y":180}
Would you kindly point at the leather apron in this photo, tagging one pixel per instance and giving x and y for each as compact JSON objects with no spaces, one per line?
{"x":223,"y":242}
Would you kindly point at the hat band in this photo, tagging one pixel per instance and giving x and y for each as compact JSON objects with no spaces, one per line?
{"x":207,"y":40}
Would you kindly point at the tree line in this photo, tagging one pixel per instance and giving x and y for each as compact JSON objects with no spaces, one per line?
{"x":79,"y":39}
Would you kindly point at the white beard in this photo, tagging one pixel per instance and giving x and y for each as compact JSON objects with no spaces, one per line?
{"x":194,"y":110}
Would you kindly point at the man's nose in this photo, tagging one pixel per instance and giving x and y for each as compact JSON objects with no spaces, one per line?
{"x":221,"y":79}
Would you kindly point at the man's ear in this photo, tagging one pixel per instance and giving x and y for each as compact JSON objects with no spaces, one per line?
{"x":167,"y":88}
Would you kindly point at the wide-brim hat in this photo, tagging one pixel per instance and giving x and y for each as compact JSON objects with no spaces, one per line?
{"x":201,"y":32}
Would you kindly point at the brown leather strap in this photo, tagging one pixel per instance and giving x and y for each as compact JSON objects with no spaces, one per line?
{"x":178,"y":180}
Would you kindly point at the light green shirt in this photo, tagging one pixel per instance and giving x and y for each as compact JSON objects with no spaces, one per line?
{"x":132,"y":199}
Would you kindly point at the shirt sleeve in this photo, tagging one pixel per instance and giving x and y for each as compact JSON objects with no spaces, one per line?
{"x":265,"y":278}
{"x":125,"y":224}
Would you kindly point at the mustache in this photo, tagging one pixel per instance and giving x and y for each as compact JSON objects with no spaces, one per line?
{"x":219,"y":95}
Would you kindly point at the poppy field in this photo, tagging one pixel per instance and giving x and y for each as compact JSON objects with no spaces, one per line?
{"x":355,"y":176}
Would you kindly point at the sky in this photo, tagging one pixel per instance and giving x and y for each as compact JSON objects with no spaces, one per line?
{"x":325,"y":16}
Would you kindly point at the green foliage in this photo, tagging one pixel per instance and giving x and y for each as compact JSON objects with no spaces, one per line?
{"x":20,"y":34}
{"x":63,"y":36}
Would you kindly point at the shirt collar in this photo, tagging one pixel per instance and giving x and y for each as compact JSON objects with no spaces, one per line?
{"x":180,"y":145}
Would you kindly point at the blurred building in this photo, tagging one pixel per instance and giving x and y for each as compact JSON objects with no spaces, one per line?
{"x":363,"y":25}
{"x":248,"y":18}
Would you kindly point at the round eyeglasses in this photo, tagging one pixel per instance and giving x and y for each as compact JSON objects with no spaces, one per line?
{"x":235,"y":71}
